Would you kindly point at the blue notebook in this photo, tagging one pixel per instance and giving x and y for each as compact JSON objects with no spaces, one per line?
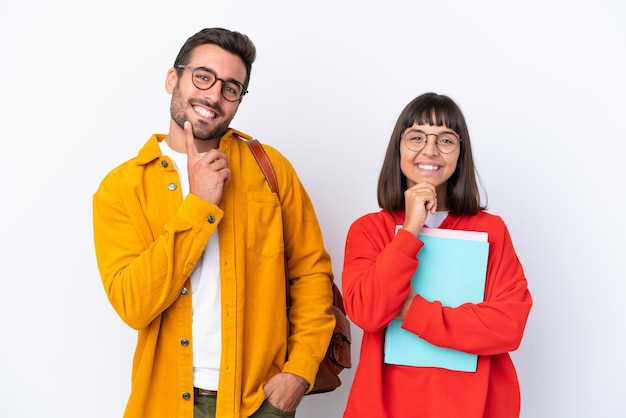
{"x":452,"y":269}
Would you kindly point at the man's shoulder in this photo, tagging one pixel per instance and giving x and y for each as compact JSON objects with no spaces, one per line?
{"x":276,"y":157}
{"x":124,"y":170}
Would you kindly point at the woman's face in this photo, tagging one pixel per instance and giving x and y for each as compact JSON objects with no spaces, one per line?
{"x":429,"y":164}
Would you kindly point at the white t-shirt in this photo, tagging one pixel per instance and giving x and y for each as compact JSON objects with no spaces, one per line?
{"x":206,"y":304}
{"x":434,"y":221}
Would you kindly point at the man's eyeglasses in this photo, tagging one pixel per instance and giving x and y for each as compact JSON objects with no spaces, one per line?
{"x":446,"y":142}
{"x":204,"y":79}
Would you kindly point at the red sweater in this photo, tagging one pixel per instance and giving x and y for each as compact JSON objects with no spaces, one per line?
{"x":378,"y":266}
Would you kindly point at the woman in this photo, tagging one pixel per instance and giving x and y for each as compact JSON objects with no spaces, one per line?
{"x":428,"y":180}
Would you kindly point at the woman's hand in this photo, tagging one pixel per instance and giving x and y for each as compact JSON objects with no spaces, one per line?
{"x":418,"y":201}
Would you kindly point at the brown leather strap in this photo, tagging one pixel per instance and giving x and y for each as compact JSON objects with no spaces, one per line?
{"x":264,"y":163}
{"x":204,"y":392}
{"x":268,"y":171}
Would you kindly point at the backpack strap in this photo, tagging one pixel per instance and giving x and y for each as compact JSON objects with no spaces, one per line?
{"x":270,"y":175}
{"x":264,"y":163}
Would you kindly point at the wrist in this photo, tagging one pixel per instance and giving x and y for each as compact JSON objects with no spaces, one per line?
{"x":305,"y":383}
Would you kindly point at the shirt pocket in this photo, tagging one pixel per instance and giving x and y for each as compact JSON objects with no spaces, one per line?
{"x":265,"y":224}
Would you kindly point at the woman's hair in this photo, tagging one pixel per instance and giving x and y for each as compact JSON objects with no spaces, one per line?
{"x":438,"y":110}
{"x":233,"y":42}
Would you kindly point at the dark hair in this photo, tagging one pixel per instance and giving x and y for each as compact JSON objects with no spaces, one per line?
{"x":438,"y":110}
{"x":231,"y":41}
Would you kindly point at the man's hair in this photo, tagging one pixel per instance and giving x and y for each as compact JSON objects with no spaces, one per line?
{"x":463,"y":195}
{"x":231,"y":41}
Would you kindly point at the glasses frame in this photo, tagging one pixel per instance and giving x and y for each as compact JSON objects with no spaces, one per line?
{"x":193,"y":80}
{"x":403,"y":139}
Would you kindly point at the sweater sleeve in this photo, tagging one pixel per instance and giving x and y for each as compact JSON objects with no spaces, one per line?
{"x":377,"y":271}
{"x":491,"y":327}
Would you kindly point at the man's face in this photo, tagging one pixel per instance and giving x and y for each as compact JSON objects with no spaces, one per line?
{"x":208,"y":111}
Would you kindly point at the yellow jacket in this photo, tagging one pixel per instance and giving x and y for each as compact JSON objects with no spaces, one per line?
{"x":147,"y":241}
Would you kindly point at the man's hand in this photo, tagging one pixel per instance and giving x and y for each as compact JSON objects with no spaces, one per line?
{"x":285,"y":391}
{"x":208,"y":173}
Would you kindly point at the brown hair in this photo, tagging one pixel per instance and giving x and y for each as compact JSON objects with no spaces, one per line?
{"x":438,"y":110}
{"x":231,"y":41}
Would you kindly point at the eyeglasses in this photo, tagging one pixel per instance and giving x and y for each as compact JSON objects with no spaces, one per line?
{"x":204,"y":79}
{"x":446,"y":142}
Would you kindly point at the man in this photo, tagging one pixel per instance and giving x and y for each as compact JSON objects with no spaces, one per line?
{"x":191,"y":245}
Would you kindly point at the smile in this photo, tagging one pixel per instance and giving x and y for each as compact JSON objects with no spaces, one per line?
{"x":428,"y":167}
{"x":204,"y":112}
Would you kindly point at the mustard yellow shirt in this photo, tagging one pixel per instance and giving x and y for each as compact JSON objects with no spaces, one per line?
{"x":148,"y":240}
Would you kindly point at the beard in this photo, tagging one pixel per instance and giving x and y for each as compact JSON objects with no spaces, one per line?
{"x":201,"y":129}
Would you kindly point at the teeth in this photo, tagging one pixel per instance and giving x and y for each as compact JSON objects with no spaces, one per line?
{"x":203,"y":112}
{"x":428,"y":167}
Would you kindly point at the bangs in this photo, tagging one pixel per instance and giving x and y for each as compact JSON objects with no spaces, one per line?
{"x":436,"y":111}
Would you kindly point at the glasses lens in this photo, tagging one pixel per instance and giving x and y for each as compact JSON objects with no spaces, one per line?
{"x":203,"y":79}
{"x":447,"y":142}
{"x":231,"y":90}
{"x":415,"y":141}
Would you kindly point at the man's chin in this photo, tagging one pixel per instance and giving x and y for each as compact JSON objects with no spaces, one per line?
{"x":203,"y":132}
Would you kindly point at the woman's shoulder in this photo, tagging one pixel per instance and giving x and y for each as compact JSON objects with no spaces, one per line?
{"x":380,"y":221}
{"x":482,"y":221}
{"x":381,"y":216}
{"x":490,"y":218}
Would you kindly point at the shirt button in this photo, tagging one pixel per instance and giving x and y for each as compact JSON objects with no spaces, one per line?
{"x":172,"y":186}
{"x":184,"y":342}
{"x":184,"y":291}
{"x":164,"y":163}
{"x":186,"y":396}
{"x":211,"y":219}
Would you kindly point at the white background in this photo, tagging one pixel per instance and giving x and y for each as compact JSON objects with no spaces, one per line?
{"x":540,"y":82}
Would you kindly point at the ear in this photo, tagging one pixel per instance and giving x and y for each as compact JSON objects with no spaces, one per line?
{"x":170,"y":80}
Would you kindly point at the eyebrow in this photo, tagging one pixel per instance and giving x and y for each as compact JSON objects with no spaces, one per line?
{"x":442,"y":132}
{"x":211,"y":70}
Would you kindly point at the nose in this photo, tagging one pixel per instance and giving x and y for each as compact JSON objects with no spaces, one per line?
{"x":214,"y":93}
{"x":430,"y":148}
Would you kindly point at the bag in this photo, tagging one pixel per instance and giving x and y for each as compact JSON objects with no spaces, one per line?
{"x":338,"y":355}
